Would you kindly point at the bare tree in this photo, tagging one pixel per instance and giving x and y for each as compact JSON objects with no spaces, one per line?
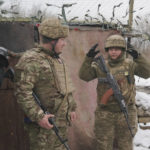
{"x":142,"y":26}
{"x":39,"y":14}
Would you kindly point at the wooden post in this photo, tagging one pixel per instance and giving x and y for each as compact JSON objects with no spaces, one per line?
{"x":130,"y":21}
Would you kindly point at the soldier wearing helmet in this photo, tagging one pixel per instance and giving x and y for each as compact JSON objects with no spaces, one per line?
{"x":109,"y":120}
{"x":43,"y":71}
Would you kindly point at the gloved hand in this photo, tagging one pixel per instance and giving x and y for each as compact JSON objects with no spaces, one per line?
{"x":92,"y":52}
{"x":131,"y":50}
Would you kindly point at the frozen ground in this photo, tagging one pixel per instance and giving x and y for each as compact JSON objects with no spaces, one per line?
{"x":142,"y":138}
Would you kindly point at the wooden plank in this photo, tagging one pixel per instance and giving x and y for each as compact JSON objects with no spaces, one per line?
{"x":144,"y":119}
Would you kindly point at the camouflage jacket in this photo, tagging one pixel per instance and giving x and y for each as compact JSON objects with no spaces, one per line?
{"x":38,"y":71}
{"x":123,"y":71}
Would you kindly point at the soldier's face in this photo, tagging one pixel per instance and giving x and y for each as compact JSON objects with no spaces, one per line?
{"x":114,"y":52}
{"x":60,"y":45}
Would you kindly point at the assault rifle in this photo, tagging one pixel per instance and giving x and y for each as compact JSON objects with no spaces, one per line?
{"x":51,"y":121}
{"x":115,"y":88}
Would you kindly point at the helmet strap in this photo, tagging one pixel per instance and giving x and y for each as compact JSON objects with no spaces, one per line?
{"x":53,"y":49}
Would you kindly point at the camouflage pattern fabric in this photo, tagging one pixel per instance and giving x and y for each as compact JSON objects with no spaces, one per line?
{"x":38,"y":70}
{"x":109,"y":122}
{"x":43,"y":139}
{"x":53,"y":28}
{"x":115,"y":41}
{"x":110,"y":125}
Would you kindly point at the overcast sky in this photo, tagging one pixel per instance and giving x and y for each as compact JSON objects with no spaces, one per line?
{"x":83,"y":7}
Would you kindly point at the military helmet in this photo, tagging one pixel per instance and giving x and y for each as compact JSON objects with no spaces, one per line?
{"x":115,"y":41}
{"x":52,"y":28}
{"x":3,"y":57}
{"x":3,"y":51}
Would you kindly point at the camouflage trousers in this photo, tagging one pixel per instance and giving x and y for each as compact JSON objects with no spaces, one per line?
{"x":43,"y":139}
{"x":112,"y":125}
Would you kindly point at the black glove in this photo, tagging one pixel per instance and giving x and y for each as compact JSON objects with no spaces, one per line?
{"x":92,"y":52}
{"x":131,"y":50}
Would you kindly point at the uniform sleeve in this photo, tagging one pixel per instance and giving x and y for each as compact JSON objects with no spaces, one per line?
{"x":73,"y":106}
{"x":26,"y":77}
{"x":142,"y":67}
{"x":72,"y":103}
{"x":87,"y":72}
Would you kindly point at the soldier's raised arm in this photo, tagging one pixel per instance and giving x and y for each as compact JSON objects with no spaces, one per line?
{"x":87,"y":71}
{"x":141,"y":65}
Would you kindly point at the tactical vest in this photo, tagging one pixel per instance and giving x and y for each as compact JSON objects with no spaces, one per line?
{"x":58,"y":89}
{"x":61,"y":75}
{"x":124,"y":76}
{"x":49,"y":79}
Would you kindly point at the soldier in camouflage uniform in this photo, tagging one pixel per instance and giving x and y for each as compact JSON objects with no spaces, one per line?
{"x":43,"y":71}
{"x":109,"y":120}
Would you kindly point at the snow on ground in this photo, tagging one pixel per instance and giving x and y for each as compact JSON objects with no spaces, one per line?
{"x":142,"y":138}
{"x":142,"y":82}
{"x":143,"y":99}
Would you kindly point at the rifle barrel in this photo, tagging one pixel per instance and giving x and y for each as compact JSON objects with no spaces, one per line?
{"x":51,"y":121}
